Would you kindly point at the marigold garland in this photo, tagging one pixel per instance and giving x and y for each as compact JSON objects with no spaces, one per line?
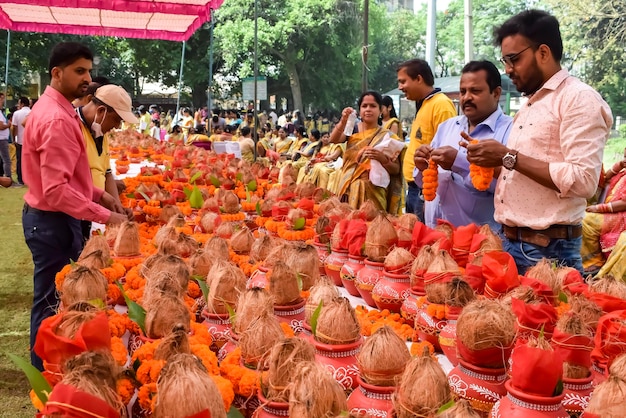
{"x":59,"y":278}
{"x":226,"y":390}
{"x":373,"y":319}
{"x":207,"y":357}
{"x":114,"y":272}
{"x":430,"y":181}
{"x":147,"y":396}
{"x":290,"y":235}
{"x":149,"y":370}
{"x":118,"y":323}
{"x":199,"y":334}
{"x":233,"y":217}
{"x":193,"y":289}
{"x":119,"y":351}
{"x":245,"y":381}
{"x":481,"y":176}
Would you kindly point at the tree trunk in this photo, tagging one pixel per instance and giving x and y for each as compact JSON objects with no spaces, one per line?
{"x":294,"y":82}
{"x":199,"y":95}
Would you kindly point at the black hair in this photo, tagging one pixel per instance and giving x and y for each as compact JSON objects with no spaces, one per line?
{"x":245,"y":131}
{"x":24,"y":101}
{"x":388,"y":101}
{"x":539,"y":27}
{"x":375,"y":94}
{"x":176,"y":129}
{"x":67,"y":53}
{"x":418,"y":67}
{"x":156,"y":122}
{"x":315,"y":134}
{"x":228,"y":129}
{"x":493,"y":75}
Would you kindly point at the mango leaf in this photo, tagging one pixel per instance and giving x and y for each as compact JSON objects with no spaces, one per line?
{"x":239,"y":176}
{"x":252,"y":185}
{"x":203,"y":286}
{"x":130,"y":195}
{"x":136,"y":312}
{"x":196,"y":200}
{"x":314,"y":316}
{"x":187,"y":191}
{"x":248,"y":195}
{"x":73,"y":263}
{"x":98,"y":303}
{"x":559,"y":388}
{"x":232,"y":315}
{"x":136,"y":365}
{"x":258,"y":209}
{"x":300,"y":283}
{"x":562,"y":297}
{"x":215,"y":181}
{"x":145,"y":196}
{"x":195,"y":177}
{"x":445,"y":406}
{"x":234,"y":413}
{"x":40,"y":385}
{"x":299,"y":224}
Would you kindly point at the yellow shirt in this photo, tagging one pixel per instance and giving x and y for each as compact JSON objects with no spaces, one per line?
{"x":435,"y":109}
{"x":99,"y":163}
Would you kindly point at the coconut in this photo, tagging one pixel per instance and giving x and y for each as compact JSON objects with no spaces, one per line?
{"x":127,"y":242}
{"x":571,"y":323}
{"x":225,"y":230}
{"x":110,"y":234}
{"x":399,"y":261}
{"x":261,"y":248}
{"x":485,"y":324}
{"x":322,"y":226}
{"x":212,"y":205}
{"x":230,"y":202}
{"x":210,"y":221}
{"x":225,"y":282}
{"x":607,"y":399}
{"x":95,"y":372}
{"x":257,"y":341}
{"x":420,"y":265}
{"x":380,"y":238}
{"x":74,"y":317}
{"x":315,"y":393}
{"x":164,"y":313}
{"x":405,"y":224}
{"x":283,"y":284}
{"x":176,"y":342}
{"x":170,"y":212}
{"x":171,"y":264}
{"x":293,"y":216}
{"x":524,"y":293}
{"x":303,"y":259}
{"x":219,"y":246}
{"x":588,"y":311}
{"x":459,"y":293}
{"x":83,"y":284}
{"x":446,"y":228}
{"x":491,"y":243}
{"x":383,"y":357}
{"x":328,"y":205}
{"x":96,"y":251}
{"x":545,"y":273}
{"x":618,"y":367}
{"x":610,"y":285}
{"x":422,"y":389}
{"x":323,"y":291}
{"x":185,"y":245}
{"x":251,"y":303}
{"x":461,"y":409}
{"x":337,"y":323}
{"x":277,"y":253}
{"x":305,"y":190}
{"x":441,"y":269}
{"x":201,"y":262}
{"x":242,"y":241}
{"x":165,"y":233}
{"x":335,"y":238}
{"x":184,"y":374}
{"x":369,"y":210}
{"x":161,"y":284}
{"x":283,"y":362}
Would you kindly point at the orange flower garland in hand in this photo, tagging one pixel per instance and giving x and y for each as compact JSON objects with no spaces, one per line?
{"x":430,"y":181}
{"x":481,"y":176}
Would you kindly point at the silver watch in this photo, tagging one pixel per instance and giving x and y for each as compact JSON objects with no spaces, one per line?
{"x":509,"y":160}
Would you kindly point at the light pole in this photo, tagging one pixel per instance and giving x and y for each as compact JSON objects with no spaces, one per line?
{"x":96,"y":64}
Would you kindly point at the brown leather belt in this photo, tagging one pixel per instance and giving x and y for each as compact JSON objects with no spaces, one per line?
{"x":542,"y":237}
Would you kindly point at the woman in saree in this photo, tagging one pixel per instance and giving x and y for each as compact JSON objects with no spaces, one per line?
{"x":302,"y":156}
{"x":364,"y":148}
{"x":604,"y":244}
{"x":389,"y":118}
{"x":320,"y":167}
{"x":283,"y":143}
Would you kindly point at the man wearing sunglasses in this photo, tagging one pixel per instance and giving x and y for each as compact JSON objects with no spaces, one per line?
{"x":552,"y":160}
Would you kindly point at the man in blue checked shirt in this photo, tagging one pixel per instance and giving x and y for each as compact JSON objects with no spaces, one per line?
{"x":457,"y":200}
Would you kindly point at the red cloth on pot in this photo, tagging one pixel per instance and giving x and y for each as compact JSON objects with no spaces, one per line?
{"x":574,"y":349}
{"x":540,"y":289}
{"x":353,"y":237}
{"x":500,"y":273}
{"x":423,"y":235}
{"x":461,"y":243}
{"x":307,"y":206}
{"x":535,"y":371}
{"x":474,"y":277}
{"x":534,"y":315}
{"x":610,"y":339}
{"x":70,"y":402}
{"x":280,"y":211}
{"x":488,"y":356}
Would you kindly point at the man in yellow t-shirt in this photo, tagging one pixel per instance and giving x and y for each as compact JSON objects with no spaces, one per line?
{"x":416,"y":81}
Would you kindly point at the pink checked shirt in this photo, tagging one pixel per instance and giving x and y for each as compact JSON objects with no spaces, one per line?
{"x":54,"y":161}
{"x":565,"y":123}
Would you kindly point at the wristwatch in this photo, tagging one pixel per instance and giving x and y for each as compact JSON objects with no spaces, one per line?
{"x":510,"y":159}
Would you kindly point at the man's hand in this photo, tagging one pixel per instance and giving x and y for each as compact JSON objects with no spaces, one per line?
{"x":421,"y":157}
{"x":444,"y":156}
{"x":485,"y":153}
{"x":116,"y":218}
{"x":111,"y":203}
{"x":129,"y":214}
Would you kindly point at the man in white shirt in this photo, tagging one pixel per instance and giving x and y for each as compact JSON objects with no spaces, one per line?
{"x":17,"y":128}
{"x":4,"y":140}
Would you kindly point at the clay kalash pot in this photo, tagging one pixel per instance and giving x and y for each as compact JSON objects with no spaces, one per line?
{"x":219,"y":327}
{"x":411,"y":304}
{"x":482,"y":387}
{"x":348,"y":273}
{"x":517,"y":404}
{"x":391,"y":291}
{"x":447,"y":335}
{"x":367,"y":278}
{"x":268,"y":409}
{"x":428,"y":327}
{"x":340,"y":360}
{"x":333,"y":264}
{"x":292,"y":315}
{"x":322,"y":253}
{"x":576,"y":394}
{"x":370,"y":400}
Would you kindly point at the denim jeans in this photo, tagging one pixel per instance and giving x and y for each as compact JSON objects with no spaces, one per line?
{"x":53,"y":239}
{"x":6,"y":157}
{"x":566,"y":252}
{"x":415,"y":201}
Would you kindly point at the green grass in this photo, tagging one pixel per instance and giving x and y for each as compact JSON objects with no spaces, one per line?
{"x":16,"y":292}
{"x":614,"y":151}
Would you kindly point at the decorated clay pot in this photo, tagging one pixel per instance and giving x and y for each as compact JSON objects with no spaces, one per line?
{"x":576,"y":394}
{"x":333,"y":264}
{"x":135,"y":341}
{"x":517,"y":404}
{"x":322,"y":254}
{"x":367,"y":278}
{"x":447,"y":335}
{"x":480,"y":386}
{"x":428,"y":327}
{"x":598,"y":374}
{"x":340,"y":360}
{"x":391,"y":290}
{"x":219,"y":327}
{"x":370,"y":400}
{"x":229,"y":346}
{"x":269,"y":409}
{"x":292,"y":315}
{"x":349,"y":271}
{"x":247,"y":406}
{"x":258,"y":279}
{"x":410,"y":306}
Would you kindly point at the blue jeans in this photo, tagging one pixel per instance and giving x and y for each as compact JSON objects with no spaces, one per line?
{"x":53,"y":239}
{"x":6,"y":157}
{"x":415,"y":201}
{"x":18,"y":154}
{"x":566,"y":252}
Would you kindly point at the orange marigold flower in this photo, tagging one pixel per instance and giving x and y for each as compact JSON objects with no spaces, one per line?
{"x":226,"y":390}
{"x":147,"y":395}
{"x":208,"y":357}
{"x":35,"y":400}
{"x":119,"y":351}
{"x":59,"y":278}
{"x":125,"y":389}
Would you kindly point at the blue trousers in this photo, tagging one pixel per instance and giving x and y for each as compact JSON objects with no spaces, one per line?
{"x":53,"y":239}
{"x":415,"y":201}
{"x":565,"y":252}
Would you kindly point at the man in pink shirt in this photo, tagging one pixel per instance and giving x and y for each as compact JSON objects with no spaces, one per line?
{"x":553,"y":157}
{"x":60,"y":189}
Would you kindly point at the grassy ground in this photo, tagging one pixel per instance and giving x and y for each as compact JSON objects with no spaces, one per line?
{"x":15,"y":300}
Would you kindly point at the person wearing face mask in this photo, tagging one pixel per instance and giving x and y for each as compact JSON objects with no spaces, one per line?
{"x":98,"y":118}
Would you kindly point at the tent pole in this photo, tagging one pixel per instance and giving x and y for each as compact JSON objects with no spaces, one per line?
{"x":209,"y":104}
{"x":180,"y":81}
{"x":6,"y":64}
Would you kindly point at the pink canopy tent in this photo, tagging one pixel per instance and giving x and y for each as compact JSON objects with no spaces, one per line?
{"x":171,"y":20}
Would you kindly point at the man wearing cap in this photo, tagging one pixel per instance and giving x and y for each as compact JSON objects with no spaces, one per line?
{"x":60,"y":189}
